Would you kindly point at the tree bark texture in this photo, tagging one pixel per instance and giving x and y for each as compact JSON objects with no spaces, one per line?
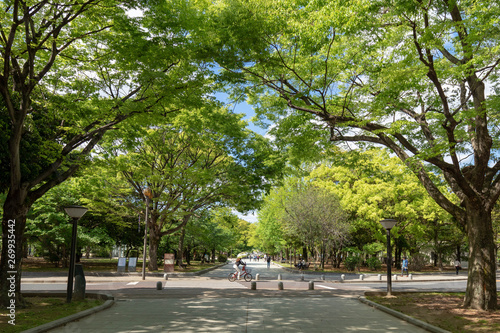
{"x":481,"y":283}
{"x":154,"y":241}
{"x":181,"y":246}
{"x":13,"y":224}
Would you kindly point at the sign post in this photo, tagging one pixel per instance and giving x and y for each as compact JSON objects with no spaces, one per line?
{"x":168,"y":262}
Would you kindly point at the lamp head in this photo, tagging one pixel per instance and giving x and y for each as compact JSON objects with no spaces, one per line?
{"x":75,"y":211}
{"x":388,"y":224}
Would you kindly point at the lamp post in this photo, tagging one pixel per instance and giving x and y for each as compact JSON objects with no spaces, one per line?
{"x":148,"y":194}
{"x":388,"y":224}
{"x":75,"y":212}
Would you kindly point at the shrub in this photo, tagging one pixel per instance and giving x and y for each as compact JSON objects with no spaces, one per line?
{"x":102,"y":252}
{"x":374,"y":264}
{"x":222,"y":258}
{"x":351,"y":262}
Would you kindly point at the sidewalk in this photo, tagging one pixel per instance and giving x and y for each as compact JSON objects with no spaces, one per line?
{"x":271,"y":314}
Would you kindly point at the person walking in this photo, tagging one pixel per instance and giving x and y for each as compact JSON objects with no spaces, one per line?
{"x":404,"y":267}
{"x":268,"y":259}
{"x":458,"y":266}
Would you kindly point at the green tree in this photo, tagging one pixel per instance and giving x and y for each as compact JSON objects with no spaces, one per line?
{"x":114,"y":208}
{"x":315,"y":216}
{"x":70,"y":72}
{"x":202,"y":159}
{"x":269,"y":232}
{"x":372,"y":185}
{"x":48,"y":228}
{"x":408,"y":75}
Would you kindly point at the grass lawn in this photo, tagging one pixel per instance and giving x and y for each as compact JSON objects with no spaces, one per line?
{"x":42,"y":310}
{"x":443,"y":310}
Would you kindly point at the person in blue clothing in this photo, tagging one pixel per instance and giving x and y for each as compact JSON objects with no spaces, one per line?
{"x":404,"y":267}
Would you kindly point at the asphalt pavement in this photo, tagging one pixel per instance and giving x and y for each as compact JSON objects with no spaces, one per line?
{"x":209,"y":302}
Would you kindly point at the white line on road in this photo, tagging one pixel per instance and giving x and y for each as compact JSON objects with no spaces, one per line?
{"x":132,"y":283}
{"x":319,"y":285}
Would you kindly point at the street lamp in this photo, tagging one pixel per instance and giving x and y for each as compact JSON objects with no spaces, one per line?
{"x":148,"y":194}
{"x":388,"y":224}
{"x":75,"y":212}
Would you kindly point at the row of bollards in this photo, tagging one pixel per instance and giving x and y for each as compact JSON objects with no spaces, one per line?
{"x":253,"y":285}
{"x":159,"y":284}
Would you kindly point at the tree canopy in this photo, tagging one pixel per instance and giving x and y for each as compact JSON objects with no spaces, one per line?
{"x":70,"y":73}
{"x":420,"y":78}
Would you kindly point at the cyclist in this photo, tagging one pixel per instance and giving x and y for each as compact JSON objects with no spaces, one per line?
{"x":237,"y":264}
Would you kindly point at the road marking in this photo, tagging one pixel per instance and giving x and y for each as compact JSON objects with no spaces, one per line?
{"x":319,"y":285}
{"x":132,"y":283}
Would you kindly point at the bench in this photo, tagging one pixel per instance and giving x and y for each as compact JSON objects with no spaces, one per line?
{"x":183,"y":266}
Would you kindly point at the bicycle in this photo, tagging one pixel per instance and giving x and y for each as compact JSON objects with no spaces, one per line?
{"x":245,"y":273}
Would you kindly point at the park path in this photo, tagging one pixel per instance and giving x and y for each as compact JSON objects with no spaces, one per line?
{"x":237,"y":310}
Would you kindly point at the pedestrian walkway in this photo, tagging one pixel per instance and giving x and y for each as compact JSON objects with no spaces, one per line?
{"x":243,"y":314}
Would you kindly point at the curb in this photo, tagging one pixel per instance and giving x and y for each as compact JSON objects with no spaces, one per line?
{"x":63,"y":321}
{"x":411,"y":320}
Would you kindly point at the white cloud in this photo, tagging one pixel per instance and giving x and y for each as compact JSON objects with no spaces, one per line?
{"x":250,"y":217}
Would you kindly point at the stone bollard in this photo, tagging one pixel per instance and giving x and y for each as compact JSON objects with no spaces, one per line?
{"x":280,"y":285}
{"x":311,"y":285}
{"x":323,"y":277}
{"x":361,"y":277}
{"x":257,"y":276}
{"x":379,"y":277}
{"x":159,"y":285}
{"x":253,"y":285}
{"x":165,"y":276}
{"x":302,"y":277}
{"x":395,"y":277}
{"x":411,"y":277}
{"x":80,"y":284}
{"x":342,"y":277}
{"x":279,"y":277}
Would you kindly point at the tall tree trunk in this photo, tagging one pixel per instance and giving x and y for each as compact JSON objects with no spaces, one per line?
{"x":440,"y":258}
{"x":13,"y":224}
{"x":481,"y":283}
{"x":180,"y":249}
{"x":188,"y":255}
{"x":154,"y":241}
{"x":398,"y":249}
{"x":323,"y":247}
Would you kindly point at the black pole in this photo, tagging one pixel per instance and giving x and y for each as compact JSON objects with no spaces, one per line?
{"x":69,"y":292}
{"x":145,"y":240}
{"x":389,"y":263}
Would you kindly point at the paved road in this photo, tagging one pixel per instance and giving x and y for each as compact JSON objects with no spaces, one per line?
{"x":268,"y":280}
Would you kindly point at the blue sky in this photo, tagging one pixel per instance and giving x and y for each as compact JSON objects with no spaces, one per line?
{"x":243,"y":108}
